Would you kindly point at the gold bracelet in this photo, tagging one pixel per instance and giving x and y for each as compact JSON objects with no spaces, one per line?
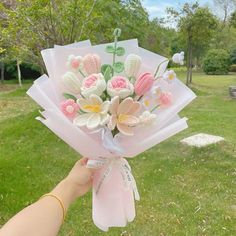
{"x":60,"y":202}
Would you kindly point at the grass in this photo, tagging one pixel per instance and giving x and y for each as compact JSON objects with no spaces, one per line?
{"x":184,"y":191}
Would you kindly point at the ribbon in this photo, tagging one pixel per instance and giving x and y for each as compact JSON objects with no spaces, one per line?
{"x":125,"y":170}
{"x":109,"y":142}
{"x":116,"y":160}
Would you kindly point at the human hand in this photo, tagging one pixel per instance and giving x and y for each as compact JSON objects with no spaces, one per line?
{"x":80,"y":177}
{"x":77,"y":183}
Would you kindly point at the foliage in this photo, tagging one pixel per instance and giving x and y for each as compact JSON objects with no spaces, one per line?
{"x":217,"y":61}
{"x":196,"y":26}
{"x":34,"y":25}
{"x":232,"y":20}
{"x":224,"y":8}
{"x":233,"y":56}
{"x":233,"y":68}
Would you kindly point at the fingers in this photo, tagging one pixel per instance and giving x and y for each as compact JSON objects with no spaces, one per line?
{"x":83,"y":161}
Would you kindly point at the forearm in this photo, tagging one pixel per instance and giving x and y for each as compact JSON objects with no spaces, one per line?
{"x":42,"y":218}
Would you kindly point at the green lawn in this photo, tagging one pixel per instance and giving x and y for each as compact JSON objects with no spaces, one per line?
{"x":184,"y":190}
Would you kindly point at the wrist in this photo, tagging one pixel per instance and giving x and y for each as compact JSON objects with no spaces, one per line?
{"x":65,"y":191}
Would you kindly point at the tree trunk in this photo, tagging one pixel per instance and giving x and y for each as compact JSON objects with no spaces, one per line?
{"x":188,"y":61}
{"x":191,"y":63}
{"x":19,"y":72}
{"x":2,"y":71}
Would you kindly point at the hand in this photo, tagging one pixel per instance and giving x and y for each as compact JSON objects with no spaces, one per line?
{"x":80,"y":178}
{"x":77,"y":183}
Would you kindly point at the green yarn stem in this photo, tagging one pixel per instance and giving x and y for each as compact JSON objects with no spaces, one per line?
{"x":153,"y":109}
{"x":116,"y":33}
{"x":159,"y":67}
{"x":82,"y":73}
{"x":114,"y":53}
{"x":139,"y":98}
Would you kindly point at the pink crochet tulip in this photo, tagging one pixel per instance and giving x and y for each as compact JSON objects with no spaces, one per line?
{"x":143,"y":84}
{"x":165,"y":99}
{"x":69,"y":108}
{"x":92,"y":64}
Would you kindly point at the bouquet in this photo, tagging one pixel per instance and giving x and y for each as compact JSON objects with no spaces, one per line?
{"x":111,"y":102}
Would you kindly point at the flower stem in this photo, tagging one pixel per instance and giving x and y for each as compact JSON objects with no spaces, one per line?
{"x":139,"y":98}
{"x":159,"y":67}
{"x":80,"y":71}
{"x":116,"y":33}
{"x":114,"y":53}
{"x":154,"y":108}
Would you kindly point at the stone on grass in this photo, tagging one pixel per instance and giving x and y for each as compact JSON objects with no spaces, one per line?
{"x":232,"y":91}
{"x":201,"y":140}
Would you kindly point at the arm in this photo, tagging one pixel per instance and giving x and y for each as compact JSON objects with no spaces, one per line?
{"x":44,"y":217}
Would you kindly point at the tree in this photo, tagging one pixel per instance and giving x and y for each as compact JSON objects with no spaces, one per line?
{"x":232,"y":19}
{"x":35,"y":25}
{"x":225,"y":7}
{"x":196,"y":25}
{"x":31,"y":26}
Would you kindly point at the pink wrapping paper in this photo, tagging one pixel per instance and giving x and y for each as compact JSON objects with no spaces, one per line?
{"x":113,"y":203}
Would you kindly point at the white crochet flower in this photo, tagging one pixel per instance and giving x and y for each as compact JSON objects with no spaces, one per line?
{"x":169,"y":76}
{"x":93,"y":84}
{"x":71,"y":82}
{"x":74,"y":63}
{"x":119,"y":86}
{"x":178,"y":58}
{"x":96,"y":112}
{"x":132,"y":65}
{"x":147,"y":118}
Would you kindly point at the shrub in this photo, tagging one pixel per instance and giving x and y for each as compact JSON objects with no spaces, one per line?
{"x":216,"y":62}
{"x":233,"y":56}
{"x":233,"y":68}
{"x":28,"y":71}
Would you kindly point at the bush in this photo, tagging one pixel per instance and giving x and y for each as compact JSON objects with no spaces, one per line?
{"x":216,"y":62}
{"x":233,"y":68}
{"x":233,"y":56}
{"x":28,"y":71}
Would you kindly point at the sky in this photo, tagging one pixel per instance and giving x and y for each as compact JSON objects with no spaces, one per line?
{"x":156,"y":8}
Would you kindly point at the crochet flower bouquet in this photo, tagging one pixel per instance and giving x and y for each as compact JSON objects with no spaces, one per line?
{"x":110,"y":102}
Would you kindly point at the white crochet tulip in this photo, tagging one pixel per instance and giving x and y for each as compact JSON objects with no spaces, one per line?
{"x":132,"y":65}
{"x":71,"y":82}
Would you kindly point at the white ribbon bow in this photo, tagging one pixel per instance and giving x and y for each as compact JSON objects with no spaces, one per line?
{"x":116,"y":160}
{"x":125,"y":170}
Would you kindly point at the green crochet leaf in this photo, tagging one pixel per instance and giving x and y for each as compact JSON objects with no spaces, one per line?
{"x":110,"y":49}
{"x":120,"y":51}
{"x":69,"y":96}
{"x":118,"y":67}
{"x":104,"y":69}
{"x":108,"y":73}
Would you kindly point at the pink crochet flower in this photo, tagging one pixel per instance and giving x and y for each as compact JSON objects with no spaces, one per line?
{"x":123,"y":115}
{"x":74,"y":63}
{"x":92,"y":64}
{"x":93,"y":84}
{"x":119,"y":86}
{"x":165,"y":99}
{"x":69,"y":108}
{"x":119,"y":83}
{"x":143,"y":84}
{"x":90,"y":81}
